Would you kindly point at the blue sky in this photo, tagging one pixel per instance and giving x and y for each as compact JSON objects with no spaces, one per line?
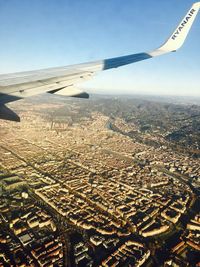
{"x":48,"y":33}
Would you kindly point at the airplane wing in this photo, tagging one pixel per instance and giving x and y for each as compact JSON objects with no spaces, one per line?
{"x":62,"y":80}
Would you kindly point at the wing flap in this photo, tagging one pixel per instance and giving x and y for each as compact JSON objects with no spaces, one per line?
{"x":43,"y":86}
{"x":71,"y":91}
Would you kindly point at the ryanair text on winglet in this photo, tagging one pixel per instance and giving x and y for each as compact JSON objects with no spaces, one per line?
{"x":185,"y":21}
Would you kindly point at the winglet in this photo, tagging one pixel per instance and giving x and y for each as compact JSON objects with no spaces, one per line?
{"x":178,"y":37}
{"x":174,"y":42}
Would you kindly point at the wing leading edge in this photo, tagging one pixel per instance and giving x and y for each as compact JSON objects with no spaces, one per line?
{"x":61,"y":80}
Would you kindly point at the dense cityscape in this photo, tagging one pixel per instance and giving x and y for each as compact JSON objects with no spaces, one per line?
{"x":100,"y":182}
